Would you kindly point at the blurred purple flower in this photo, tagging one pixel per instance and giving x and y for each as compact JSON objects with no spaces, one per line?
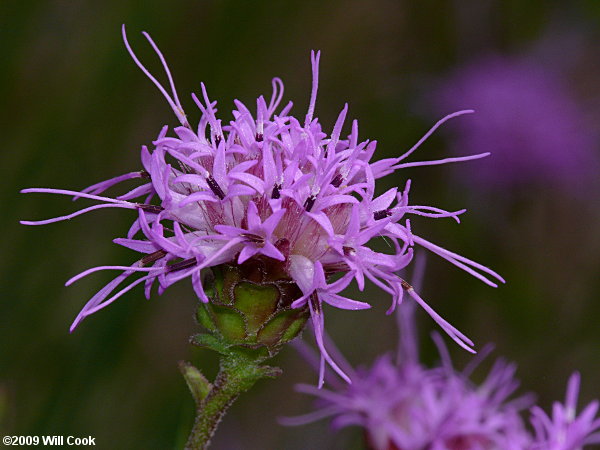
{"x":565,"y":430}
{"x":267,"y":184}
{"x":529,"y":121}
{"x":405,"y":406}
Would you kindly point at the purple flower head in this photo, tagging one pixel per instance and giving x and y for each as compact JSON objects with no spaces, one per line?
{"x":265,"y":184}
{"x":565,"y":430}
{"x":405,"y":405}
{"x":527,"y":119}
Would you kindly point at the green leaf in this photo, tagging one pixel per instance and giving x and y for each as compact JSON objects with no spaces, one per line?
{"x":198,"y":384}
{"x":270,"y":371}
{"x":210,"y":342}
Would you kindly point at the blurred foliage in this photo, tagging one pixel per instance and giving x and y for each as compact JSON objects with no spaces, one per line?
{"x":76,"y":110}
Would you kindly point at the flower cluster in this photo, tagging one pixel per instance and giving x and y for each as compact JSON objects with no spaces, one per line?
{"x":565,"y":430}
{"x":404,"y":405}
{"x":527,"y":118}
{"x":267,"y":185}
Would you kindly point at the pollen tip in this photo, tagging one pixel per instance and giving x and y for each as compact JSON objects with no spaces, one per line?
{"x":406,"y":286}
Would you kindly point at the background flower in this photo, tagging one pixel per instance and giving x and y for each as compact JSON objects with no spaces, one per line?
{"x":404,"y":404}
{"x":529,"y":118}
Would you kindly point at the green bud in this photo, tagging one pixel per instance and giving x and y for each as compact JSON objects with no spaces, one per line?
{"x":250,"y":306}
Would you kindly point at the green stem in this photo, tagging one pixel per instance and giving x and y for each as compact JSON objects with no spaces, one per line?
{"x":238,"y":373}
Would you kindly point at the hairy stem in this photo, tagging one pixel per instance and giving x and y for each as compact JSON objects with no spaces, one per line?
{"x":238,"y":373}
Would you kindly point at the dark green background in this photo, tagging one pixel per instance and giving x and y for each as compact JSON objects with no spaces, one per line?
{"x":75,"y":110}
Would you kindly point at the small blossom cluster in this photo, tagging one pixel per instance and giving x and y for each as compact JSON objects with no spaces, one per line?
{"x":527,"y":118}
{"x":565,"y":429}
{"x":268,"y":185}
{"x":406,"y":406}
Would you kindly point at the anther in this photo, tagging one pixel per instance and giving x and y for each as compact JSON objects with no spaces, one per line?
{"x":405,"y":285}
{"x":378,"y":215}
{"x":214,"y":186}
{"x":337,"y":180}
{"x":253,"y":238}
{"x":309,"y":203}
{"x":145,"y":174}
{"x":152,"y":257}
{"x":316,"y":304}
{"x":218,"y":139}
{"x":259,"y":137}
{"x":349,"y":251}
{"x":150,"y":208}
{"x":276,"y":194}
{"x":182,"y":265}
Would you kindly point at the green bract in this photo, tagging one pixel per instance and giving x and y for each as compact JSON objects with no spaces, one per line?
{"x":250,"y":306}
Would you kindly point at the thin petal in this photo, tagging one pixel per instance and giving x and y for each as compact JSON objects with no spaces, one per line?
{"x":338,"y":301}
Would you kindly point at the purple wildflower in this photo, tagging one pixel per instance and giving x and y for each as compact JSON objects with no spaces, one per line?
{"x":266,"y":184}
{"x":404,"y":405}
{"x":527,"y":118}
{"x":565,"y":430}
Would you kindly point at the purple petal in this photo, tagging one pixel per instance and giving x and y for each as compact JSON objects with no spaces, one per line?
{"x":301,"y":269}
{"x":314,"y":59}
{"x":198,"y":288}
{"x":254,"y":221}
{"x":335,"y":200}
{"x":269,"y":225}
{"x":137,"y":245}
{"x":433,"y":128}
{"x":75,"y":214}
{"x":384,"y":201}
{"x":338,"y":301}
{"x":87,"y":272}
{"x":253,"y":181}
{"x":228,"y":230}
{"x":247,"y":252}
{"x":271,"y":251}
{"x":318,"y":324}
{"x":322,"y":219}
{"x":104,"y":185}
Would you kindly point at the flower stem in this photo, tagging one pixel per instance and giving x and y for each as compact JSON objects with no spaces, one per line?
{"x":238,"y":372}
